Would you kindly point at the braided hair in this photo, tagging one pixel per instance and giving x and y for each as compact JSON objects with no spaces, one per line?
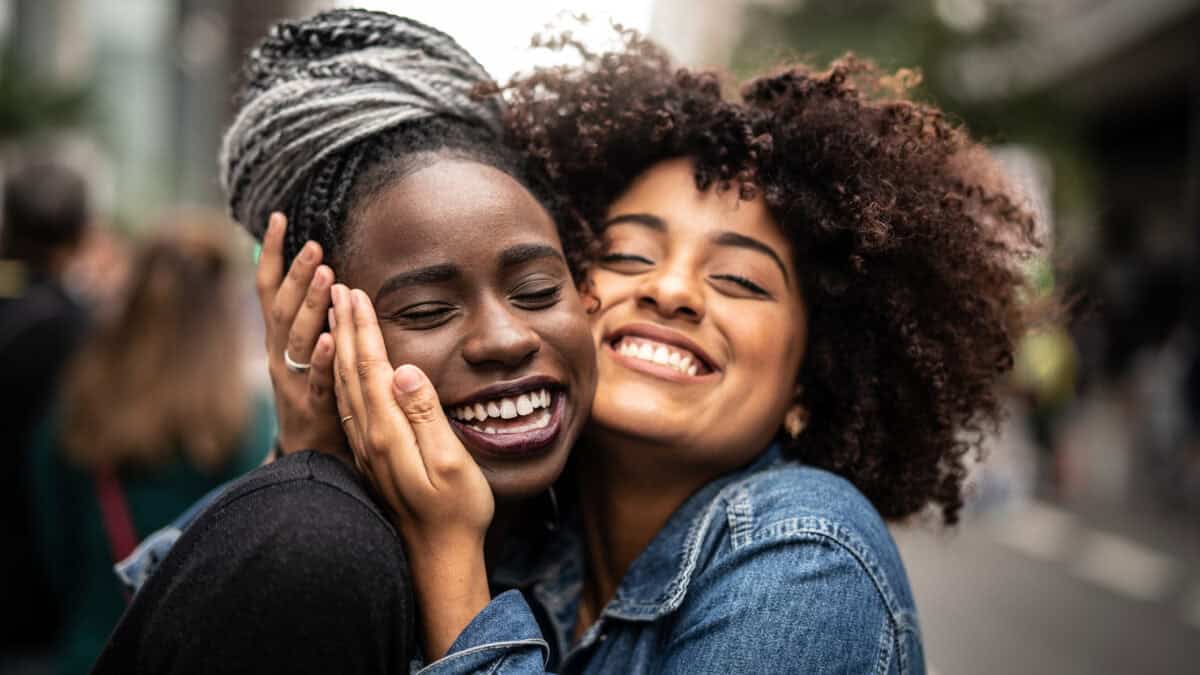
{"x":337,"y":106}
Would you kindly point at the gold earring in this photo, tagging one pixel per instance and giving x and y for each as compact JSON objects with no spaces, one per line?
{"x":795,"y":421}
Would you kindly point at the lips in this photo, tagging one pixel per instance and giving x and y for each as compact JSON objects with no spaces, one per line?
{"x":511,"y":420}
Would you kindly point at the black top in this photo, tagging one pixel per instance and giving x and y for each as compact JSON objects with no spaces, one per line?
{"x":40,"y":327}
{"x":293,"y":570}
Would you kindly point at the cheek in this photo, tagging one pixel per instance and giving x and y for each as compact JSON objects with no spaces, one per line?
{"x":429,"y":351}
{"x":567,"y":329}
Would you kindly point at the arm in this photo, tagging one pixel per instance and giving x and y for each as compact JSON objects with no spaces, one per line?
{"x":802,"y":604}
{"x":439,"y":499}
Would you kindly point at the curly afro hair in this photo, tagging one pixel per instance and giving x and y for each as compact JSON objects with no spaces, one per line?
{"x":908,"y":245}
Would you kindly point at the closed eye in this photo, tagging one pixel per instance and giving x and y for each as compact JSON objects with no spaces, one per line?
{"x":625,"y":259}
{"x":744,"y":283}
{"x":538,"y":297}
{"x":426,"y":315}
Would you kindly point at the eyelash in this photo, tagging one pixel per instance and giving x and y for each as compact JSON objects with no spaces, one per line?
{"x":744,"y":283}
{"x":737,"y":279}
{"x":624,"y":257}
{"x":544,"y":295}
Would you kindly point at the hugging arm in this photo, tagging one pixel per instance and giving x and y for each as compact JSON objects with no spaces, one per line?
{"x":798,"y":605}
{"x":438,"y":497}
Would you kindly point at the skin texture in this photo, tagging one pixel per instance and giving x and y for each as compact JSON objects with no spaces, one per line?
{"x":683,"y":279}
{"x":487,"y":323}
{"x":654,"y":439}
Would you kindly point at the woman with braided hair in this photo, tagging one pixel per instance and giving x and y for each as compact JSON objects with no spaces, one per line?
{"x":365,"y":130}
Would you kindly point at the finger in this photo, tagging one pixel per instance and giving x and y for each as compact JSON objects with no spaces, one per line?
{"x":442,"y":452}
{"x":349,"y":392}
{"x":375,"y":374}
{"x":373,"y":465}
{"x":270,"y":264}
{"x":290,"y":296}
{"x":347,"y":420}
{"x":321,"y":391}
{"x":310,"y":318}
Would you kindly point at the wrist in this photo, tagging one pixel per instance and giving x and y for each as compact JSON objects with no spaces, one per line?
{"x":451,"y":588}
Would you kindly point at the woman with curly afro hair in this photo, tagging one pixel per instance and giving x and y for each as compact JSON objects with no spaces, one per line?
{"x":806,"y":294}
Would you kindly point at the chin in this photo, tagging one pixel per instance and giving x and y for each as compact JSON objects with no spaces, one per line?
{"x":514,"y":481}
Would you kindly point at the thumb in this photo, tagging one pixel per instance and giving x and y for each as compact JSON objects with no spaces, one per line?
{"x":417,"y":399}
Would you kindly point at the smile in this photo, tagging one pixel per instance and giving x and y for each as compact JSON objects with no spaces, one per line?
{"x":671,"y":356}
{"x":511,"y":421}
{"x":531,"y":411}
{"x":661,"y":352}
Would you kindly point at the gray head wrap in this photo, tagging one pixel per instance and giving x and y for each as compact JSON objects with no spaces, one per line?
{"x":320,"y":85}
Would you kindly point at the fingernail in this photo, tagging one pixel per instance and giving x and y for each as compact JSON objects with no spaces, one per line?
{"x":309,"y":253}
{"x":408,"y":378}
{"x":321,"y":277}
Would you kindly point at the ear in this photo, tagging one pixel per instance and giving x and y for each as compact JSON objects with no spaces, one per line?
{"x":795,"y":420}
{"x":587,"y":293}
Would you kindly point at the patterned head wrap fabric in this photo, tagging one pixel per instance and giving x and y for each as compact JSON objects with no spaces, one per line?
{"x":317,"y":88}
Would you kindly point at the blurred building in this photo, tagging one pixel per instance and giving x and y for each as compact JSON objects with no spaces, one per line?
{"x":158,"y":78}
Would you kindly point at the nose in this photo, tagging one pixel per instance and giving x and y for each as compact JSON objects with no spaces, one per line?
{"x":673,"y":292}
{"x":500,"y":337}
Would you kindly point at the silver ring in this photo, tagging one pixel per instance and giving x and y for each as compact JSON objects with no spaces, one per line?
{"x":293,"y":366}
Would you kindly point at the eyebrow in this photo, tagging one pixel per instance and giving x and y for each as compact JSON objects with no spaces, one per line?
{"x":725,"y":238}
{"x":742,"y":241}
{"x":644,"y":219}
{"x":433,"y":274}
{"x":445,"y":272}
{"x":523,"y":253}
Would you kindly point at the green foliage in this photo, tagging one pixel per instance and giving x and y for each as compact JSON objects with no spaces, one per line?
{"x":29,"y":105}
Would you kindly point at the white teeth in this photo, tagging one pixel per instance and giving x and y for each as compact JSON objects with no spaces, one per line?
{"x":503,"y":408}
{"x":660,"y":354}
{"x":508,"y":409}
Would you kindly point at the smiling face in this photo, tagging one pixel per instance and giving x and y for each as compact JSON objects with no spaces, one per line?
{"x":701,"y":329}
{"x":468,"y":278}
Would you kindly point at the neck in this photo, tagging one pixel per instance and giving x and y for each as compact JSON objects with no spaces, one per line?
{"x":625,"y":500}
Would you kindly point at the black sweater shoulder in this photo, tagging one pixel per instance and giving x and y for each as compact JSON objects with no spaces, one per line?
{"x":294,"y":569}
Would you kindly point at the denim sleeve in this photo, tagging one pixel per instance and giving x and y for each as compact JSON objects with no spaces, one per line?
{"x":801,"y":604}
{"x":503,"y":638}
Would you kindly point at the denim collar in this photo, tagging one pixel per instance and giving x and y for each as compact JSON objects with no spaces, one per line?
{"x":658,"y":579}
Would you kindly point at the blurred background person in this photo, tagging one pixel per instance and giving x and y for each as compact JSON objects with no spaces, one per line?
{"x":155,"y":411}
{"x":45,"y":218}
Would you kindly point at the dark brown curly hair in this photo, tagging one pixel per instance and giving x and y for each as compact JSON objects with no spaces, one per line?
{"x":908,"y":247}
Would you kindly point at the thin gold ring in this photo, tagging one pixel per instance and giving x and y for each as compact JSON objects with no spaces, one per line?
{"x":347,"y":418}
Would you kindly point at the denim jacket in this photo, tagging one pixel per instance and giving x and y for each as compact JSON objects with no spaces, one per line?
{"x":776,"y":568}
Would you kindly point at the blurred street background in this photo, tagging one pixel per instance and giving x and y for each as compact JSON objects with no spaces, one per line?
{"x":1081,"y":549}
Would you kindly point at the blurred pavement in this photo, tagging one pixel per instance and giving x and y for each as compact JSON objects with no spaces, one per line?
{"x":1042,"y":589}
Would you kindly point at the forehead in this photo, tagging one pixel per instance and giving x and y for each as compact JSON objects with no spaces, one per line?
{"x":451,"y":211}
{"x":668,"y":190}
